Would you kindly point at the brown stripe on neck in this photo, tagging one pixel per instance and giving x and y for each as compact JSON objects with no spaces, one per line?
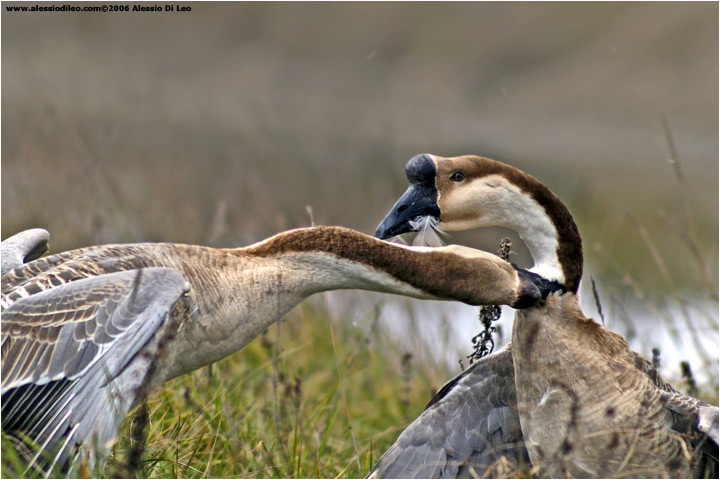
{"x":441,"y":274}
{"x":569,"y":251}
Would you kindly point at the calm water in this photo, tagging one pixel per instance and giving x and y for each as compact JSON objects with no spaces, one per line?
{"x":443,"y":330}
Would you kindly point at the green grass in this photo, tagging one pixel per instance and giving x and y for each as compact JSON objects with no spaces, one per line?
{"x":312,"y":397}
{"x":294,"y":403}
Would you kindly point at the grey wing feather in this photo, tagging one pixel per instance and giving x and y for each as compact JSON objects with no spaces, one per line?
{"x":22,"y":247}
{"x":473,"y":421}
{"x":698,"y":421}
{"x":470,"y":424}
{"x":54,"y":270}
{"x":689,"y":416}
{"x":77,"y":388}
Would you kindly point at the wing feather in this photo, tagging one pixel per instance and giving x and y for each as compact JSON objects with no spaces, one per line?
{"x":81,"y":385}
{"x":468,"y":426}
{"x":473,"y":421}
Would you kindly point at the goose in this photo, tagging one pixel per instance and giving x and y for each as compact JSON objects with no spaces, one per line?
{"x":87,"y":333}
{"x":567,"y":396}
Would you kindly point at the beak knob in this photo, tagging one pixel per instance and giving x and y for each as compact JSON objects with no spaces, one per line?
{"x":419,"y":200}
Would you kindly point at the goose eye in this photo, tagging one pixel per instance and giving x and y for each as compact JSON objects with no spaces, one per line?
{"x":457,"y":176}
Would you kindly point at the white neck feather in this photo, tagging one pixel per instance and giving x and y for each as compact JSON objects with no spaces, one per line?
{"x":541,"y":239}
{"x":252,"y":295}
{"x":319,"y":272}
{"x":518,"y":211}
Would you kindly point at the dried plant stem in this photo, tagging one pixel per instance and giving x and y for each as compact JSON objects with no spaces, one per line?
{"x":689,"y":378}
{"x":483,"y":342}
{"x":655,"y":365}
{"x":405,"y":396}
{"x":276,"y":409}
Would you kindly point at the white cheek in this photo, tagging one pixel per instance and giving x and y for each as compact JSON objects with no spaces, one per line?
{"x":505,"y":205}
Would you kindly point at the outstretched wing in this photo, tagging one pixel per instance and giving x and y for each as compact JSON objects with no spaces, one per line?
{"x":22,"y":248}
{"x":70,"y":362}
{"x":470,"y":425}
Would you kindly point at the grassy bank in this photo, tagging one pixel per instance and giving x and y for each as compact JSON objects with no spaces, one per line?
{"x":313,"y":397}
{"x":310,"y":398}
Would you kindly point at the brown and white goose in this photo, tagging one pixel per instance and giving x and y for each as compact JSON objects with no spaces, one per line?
{"x":568,"y":394}
{"x":87,"y":333}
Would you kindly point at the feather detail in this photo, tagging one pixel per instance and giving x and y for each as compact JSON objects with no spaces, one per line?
{"x":402,"y":239}
{"x":428,"y":231}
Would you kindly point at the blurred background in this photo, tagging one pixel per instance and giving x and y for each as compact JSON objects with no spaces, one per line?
{"x":233,"y":121}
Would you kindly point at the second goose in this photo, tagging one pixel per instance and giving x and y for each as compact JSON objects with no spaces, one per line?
{"x":569,"y":395}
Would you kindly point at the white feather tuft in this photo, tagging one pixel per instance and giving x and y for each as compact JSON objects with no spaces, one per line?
{"x":399,"y":239}
{"x":428,"y":231}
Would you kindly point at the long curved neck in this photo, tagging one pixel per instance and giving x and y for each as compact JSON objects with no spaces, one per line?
{"x":496,"y":194}
{"x":549,"y":230}
{"x":238,"y":293}
{"x":569,"y":248}
{"x":340,"y":258}
{"x":332,"y":258}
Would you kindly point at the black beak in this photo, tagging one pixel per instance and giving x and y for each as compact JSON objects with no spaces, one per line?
{"x":420,"y":199}
{"x":417,"y":201}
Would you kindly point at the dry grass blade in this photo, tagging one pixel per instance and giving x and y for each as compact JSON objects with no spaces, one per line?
{"x":674,"y":159}
{"x":665,"y":273}
{"x":219,"y":223}
{"x":696,"y":252}
{"x":596,"y":295}
{"x":657,"y":258}
{"x":341,"y":387}
{"x":689,"y":234}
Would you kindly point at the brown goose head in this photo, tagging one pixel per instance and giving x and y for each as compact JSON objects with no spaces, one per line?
{"x":469,"y":192}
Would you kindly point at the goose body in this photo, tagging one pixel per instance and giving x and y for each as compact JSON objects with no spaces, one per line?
{"x":87,"y":333}
{"x":587,"y":405}
{"x":587,"y":410}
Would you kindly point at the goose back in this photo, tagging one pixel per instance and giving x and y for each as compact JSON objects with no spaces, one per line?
{"x":586,"y":408}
